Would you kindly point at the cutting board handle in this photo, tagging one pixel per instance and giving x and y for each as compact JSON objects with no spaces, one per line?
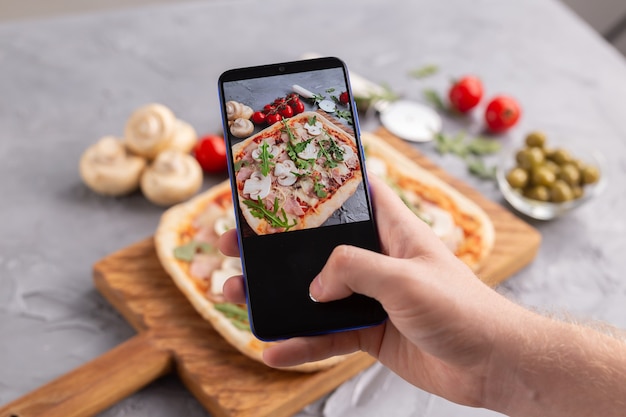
{"x":98,"y":384}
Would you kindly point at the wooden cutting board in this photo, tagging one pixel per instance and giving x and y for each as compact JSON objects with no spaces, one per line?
{"x":173,"y":337}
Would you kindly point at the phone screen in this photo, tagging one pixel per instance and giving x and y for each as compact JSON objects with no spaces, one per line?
{"x":300,"y":189}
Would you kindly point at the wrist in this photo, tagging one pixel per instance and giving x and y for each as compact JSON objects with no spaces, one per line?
{"x":548,"y":367}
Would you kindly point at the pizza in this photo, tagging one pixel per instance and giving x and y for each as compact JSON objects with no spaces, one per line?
{"x":187,"y":235}
{"x":295,"y":174}
{"x":186,"y":245}
{"x":462,"y":225}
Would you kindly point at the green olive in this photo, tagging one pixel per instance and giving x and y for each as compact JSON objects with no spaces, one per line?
{"x":579,"y":164}
{"x":542,"y":175}
{"x":590,"y":174}
{"x":561,"y":156}
{"x":537,"y":139}
{"x":538,"y":192}
{"x":529,"y":158}
{"x":561,"y":191}
{"x":517,"y":177}
{"x":578,"y":191}
{"x":570,"y":174}
{"x":552,"y":166}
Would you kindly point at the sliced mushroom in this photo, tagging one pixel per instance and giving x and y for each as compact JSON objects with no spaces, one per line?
{"x":149,"y":130}
{"x":109,"y":169}
{"x":174,"y":176}
{"x":241,"y":128}
{"x":236,"y":110}
{"x":184,"y":137}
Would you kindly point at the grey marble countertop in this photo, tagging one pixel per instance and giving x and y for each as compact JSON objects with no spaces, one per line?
{"x":65,"y":82}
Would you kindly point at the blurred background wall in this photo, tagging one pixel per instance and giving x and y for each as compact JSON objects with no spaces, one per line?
{"x":607,"y":17}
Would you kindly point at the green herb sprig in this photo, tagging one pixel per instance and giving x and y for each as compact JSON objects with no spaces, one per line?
{"x":425,"y":71}
{"x":433,"y":97}
{"x":294,"y":148}
{"x":320,"y":190}
{"x":238,"y":316}
{"x":187,"y":251}
{"x":470,"y":151}
{"x":265,"y":157}
{"x":276,"y":219}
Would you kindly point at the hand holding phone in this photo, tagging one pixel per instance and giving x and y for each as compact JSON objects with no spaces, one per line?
{"x":300,"y":190}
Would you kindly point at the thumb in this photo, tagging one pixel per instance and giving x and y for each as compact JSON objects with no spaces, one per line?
{"x":350,"y":269}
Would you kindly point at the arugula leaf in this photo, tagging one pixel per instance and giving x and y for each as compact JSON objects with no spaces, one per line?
{"x":312,"y":120}
{"x":293,"y":149}
{"x":239,"y":164}
{"x":346,"y":115}
{"x":435,"y":99}
{"x":238,"y":316}
{"x":425,"y":71}
{"x":330,"y":90}
{"x":330,"y":150}
{"x":470,"y":152}
{"x":187,"y":251}
{"x":320,"y":190}
{"x":477,"y":167}
{"x":258,"y":210}
{"x":265,"y":156}
{"x":483,"y":146}
{"x":451,"y":144}
{"x":329,"y":162}
{"x":317,"y":98}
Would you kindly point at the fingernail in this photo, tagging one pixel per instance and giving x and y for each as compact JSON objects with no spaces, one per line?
{"x":315,"y":289}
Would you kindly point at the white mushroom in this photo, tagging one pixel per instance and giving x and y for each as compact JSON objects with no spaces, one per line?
{"x":309,"y":151}
{"x":257,"y":185}
{"x":284,"y":172}
{"x":236,"y":110}
{"x":174,"y":176}
{"x":107,"y":168}
{"x":241,"y":128}
{"x":149,"y":130}
{"x":184,"y":137}
{"x":314,"y":129}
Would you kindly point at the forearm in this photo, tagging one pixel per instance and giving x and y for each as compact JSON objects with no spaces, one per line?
{"x":555,"y":368}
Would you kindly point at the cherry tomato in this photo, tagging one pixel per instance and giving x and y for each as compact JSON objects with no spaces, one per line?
{"x":502,"y":113}
{"x":258,"y":117}
{"x":273,"y":118}
{"x":279,"y":101}
{"x":465,"y":93}
{"x":210,"y":151}
{"x":268,"y":108}
{"x":286,"y":112}
{"x":344,"y":98}
{"x":297,"y":106}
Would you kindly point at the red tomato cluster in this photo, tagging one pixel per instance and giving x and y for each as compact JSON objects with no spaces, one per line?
{"x":282,"y":107}
{"x":501,"y":113}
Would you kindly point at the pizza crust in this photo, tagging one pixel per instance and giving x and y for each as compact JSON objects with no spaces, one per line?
{"x":168,"y":237}
{"x":404,"y":166}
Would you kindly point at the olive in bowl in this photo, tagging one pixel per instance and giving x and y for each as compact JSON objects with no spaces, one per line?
{"x":545,"y":182}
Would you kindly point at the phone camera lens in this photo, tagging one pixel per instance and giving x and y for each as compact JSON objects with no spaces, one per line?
{"x":281,"y":68}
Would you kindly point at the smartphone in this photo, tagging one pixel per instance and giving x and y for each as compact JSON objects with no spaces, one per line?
{"x":300,"y":189}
